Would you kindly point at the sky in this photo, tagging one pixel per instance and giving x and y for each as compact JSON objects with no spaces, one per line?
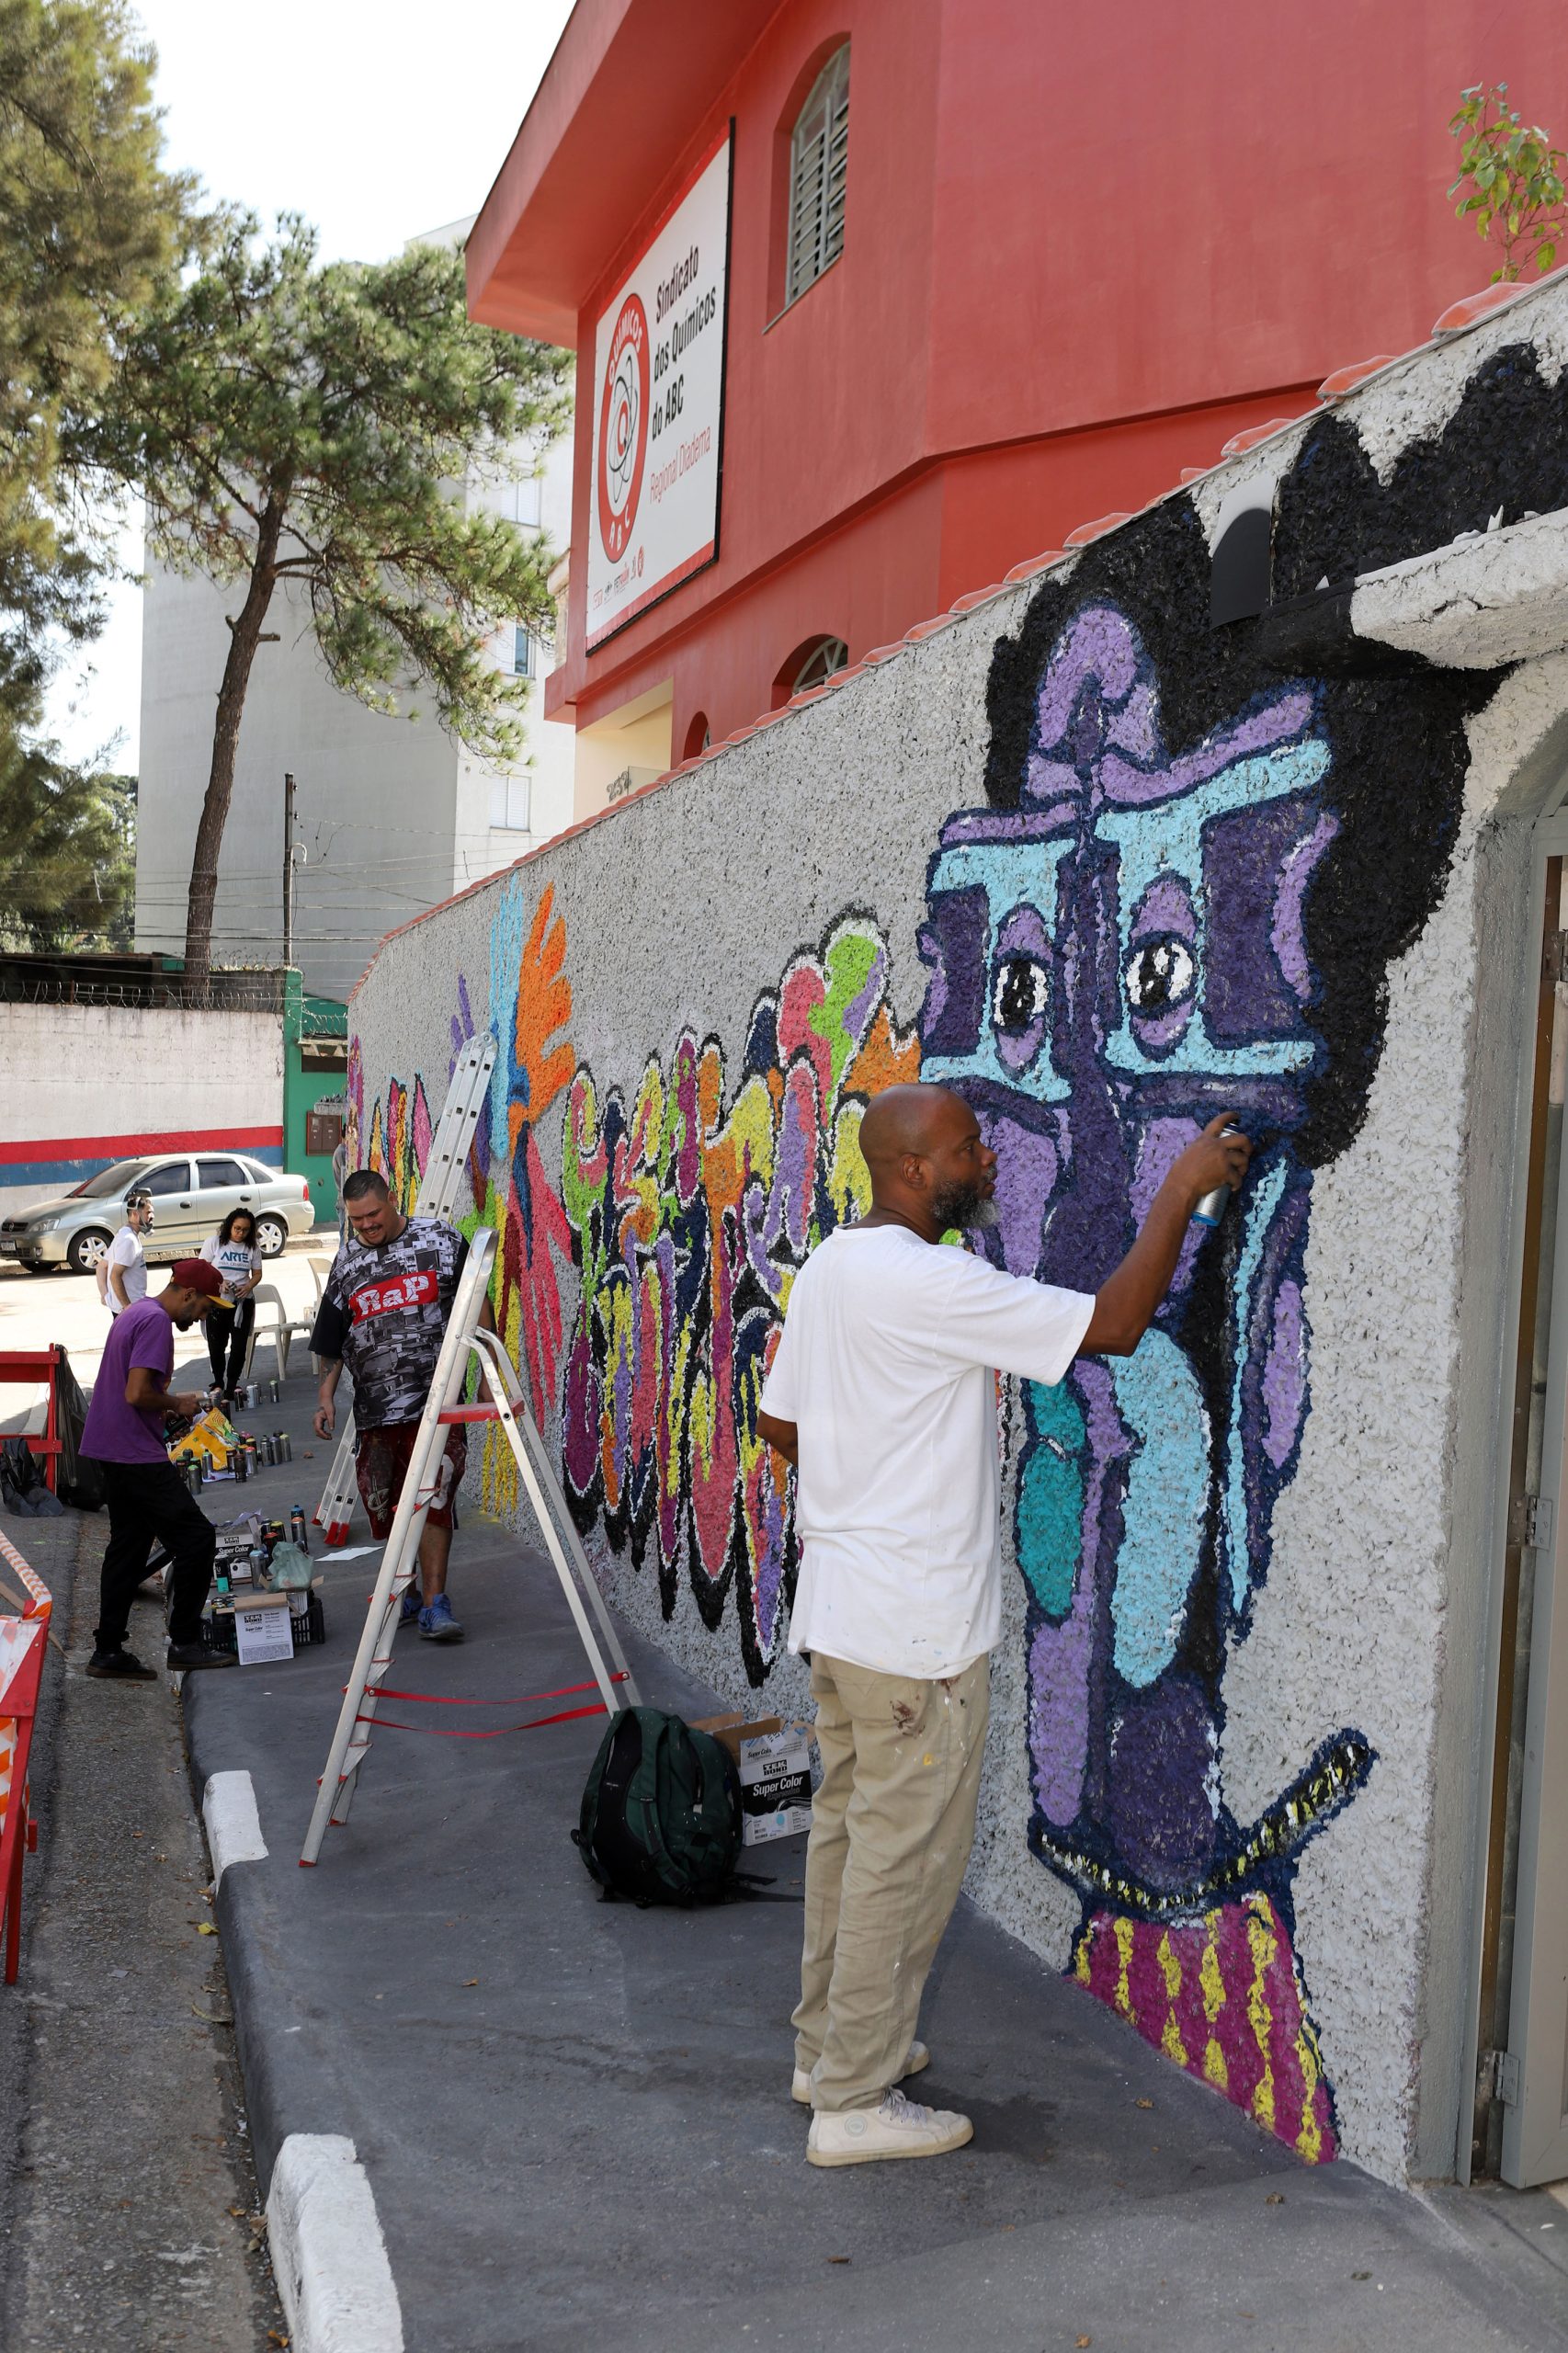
{"x":374,"y":123}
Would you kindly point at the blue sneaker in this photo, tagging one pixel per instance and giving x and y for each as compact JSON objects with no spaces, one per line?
{"x":436,"y":1624}
{"x":412,"y":1605}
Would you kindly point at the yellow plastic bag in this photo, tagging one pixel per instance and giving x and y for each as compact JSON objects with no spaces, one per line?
{"x":211,"y":1435}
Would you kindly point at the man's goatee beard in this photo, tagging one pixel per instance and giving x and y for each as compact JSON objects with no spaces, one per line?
{"x":967,"y":1209}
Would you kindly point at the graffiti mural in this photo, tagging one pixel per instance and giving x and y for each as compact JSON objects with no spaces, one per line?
{"x":691,"y":1208}
{"x":1129,"y":938}
{"x":1192,"y":874}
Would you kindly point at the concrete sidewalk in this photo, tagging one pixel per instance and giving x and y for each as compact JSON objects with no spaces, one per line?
{"x":576,"y":2116}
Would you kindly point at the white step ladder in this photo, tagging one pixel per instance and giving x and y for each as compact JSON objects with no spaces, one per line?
{"x":439,"y":1188}
{"x":502,"y":1401}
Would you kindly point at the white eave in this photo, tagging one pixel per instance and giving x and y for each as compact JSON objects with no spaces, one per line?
{"x":1488,"y":598}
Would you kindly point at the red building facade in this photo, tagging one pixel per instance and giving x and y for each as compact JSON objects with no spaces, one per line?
{"x":1078,"y":254}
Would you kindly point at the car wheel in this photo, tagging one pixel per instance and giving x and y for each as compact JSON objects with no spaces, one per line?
{"x":271,"y":1234}
{"x":87,"y":1249}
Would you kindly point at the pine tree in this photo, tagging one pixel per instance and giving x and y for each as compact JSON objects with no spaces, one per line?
{"x":292,"y":422}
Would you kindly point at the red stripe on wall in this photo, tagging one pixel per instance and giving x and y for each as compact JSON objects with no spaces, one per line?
{"x":138,"y":1147}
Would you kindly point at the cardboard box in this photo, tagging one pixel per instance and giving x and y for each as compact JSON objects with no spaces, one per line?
{"x":263,"y":1634}
{"x":775,"y":1785}
{"x":730,"y":1730}
{"x":774,"y":1761}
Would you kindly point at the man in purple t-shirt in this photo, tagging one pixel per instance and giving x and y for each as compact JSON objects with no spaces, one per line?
{"x":146,"y":1496}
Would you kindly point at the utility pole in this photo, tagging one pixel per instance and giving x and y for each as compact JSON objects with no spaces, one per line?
{"x":287,"y":866}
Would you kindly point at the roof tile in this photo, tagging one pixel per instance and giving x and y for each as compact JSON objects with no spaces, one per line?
{"x":1345,"y":379}
{"x":926,"y":629}
{"x":1096,"y":529}
{"x":1032,"y":565}
{"x":1194,"y":473}
{"x":1464,"y":313}
{"x":967,"y":603}
{"x":1239,"y":443}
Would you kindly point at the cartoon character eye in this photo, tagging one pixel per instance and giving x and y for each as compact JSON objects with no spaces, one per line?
{"x":1020,"y":994}
{"x":1160,"y":975}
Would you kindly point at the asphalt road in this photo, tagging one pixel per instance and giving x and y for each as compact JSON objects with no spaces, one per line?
{"x":38,"y":1310}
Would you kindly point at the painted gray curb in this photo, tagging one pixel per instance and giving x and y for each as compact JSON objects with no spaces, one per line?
{"x":234,"y":1826}
{"x":328,"y":2254}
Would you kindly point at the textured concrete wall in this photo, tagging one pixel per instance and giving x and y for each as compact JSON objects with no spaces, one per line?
{"x":1109,"y":869}
{"x":130,"y":1080}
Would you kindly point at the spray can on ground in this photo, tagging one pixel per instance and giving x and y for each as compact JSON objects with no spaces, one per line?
{"x":285,"y":1447}
{"x":238,"y":1464}
{"x":297,"y":1528}
{"x":1213,"y":1207}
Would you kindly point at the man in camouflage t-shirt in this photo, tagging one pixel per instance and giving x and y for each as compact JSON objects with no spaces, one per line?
{"x":383,"y":1312}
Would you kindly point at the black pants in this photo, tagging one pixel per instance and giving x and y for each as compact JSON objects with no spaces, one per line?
{"x":147,"y":1500}
{"x":228,"y":1329}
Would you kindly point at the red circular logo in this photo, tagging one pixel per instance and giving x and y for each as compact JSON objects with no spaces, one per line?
{"x":623,"y":428}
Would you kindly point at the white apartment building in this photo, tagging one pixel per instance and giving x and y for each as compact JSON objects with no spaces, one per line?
{"x":391,"y":816}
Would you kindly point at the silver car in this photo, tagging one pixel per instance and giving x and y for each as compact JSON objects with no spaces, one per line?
{"x":192,"y":1194}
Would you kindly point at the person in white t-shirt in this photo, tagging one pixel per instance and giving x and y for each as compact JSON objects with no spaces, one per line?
{"x":122,"y":1269}
{"x":229,"y":1319}
{"x":883,"y":1395}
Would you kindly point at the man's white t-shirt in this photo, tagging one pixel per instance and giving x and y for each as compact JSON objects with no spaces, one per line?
{"x":886,"y":1366}
{"x":125,"y":1252}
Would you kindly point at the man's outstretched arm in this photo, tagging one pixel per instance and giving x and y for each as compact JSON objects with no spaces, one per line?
{"x":1125,"y":1303}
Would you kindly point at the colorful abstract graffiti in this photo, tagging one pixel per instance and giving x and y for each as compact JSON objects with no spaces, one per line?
{"x":691,"y":1211}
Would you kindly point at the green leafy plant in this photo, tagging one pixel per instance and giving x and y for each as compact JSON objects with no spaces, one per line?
{"x":316,"y":429}
{"x":1512,"y":178}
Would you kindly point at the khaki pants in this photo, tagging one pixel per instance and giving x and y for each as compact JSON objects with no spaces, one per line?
{"x":892,"y":1828}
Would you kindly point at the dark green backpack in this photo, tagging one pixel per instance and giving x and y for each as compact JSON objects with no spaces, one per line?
{"x":662,"y":1810}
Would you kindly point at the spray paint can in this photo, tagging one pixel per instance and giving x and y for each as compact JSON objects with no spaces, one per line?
{"x":1213,"y":1207}
{"x":297,"y":1528}
{"x":238,"y":1464}
{"x":285,"y":1447}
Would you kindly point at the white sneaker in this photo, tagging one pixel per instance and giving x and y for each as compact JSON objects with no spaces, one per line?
{"x":900,"y":2128}
{"x":801,"y":2088}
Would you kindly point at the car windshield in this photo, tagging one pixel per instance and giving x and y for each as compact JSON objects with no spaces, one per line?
{"x":107,"y":1181}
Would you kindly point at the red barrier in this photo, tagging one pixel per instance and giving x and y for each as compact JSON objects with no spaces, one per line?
{"x":39,"y":1368}
{"x":22,"y":1642}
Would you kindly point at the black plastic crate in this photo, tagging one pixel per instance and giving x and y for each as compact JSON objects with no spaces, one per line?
{"x":218,"y":1631}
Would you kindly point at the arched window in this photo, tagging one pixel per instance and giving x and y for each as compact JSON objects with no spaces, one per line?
{"x":828,"y":654}
{"x":698,"y":735}
{"x":811,"y":664}
{"x":818,"y":163}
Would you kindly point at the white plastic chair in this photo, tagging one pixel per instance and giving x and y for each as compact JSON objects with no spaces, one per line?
{"x":281,"y":1330}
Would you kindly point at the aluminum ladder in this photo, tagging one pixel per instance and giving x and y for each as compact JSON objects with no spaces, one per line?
{"x":501,"y":1401}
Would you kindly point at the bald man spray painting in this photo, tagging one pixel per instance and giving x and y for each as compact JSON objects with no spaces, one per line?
{"x":1145,"y":927}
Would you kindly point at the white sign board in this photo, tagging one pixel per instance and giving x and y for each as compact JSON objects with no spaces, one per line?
{"x":263,"y":1631}
{"x":658,"y":408}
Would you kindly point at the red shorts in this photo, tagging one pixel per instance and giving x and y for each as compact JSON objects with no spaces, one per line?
{"x":380,"y":1464}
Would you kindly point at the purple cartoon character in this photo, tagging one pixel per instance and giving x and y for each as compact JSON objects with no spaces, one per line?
{"x":1114,"y":959}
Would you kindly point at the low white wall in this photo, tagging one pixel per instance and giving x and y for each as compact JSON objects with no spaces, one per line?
{"x":82,"y":1085}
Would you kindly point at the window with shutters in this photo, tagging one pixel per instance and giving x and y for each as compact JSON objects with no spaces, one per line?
{"x":819,"y":165}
